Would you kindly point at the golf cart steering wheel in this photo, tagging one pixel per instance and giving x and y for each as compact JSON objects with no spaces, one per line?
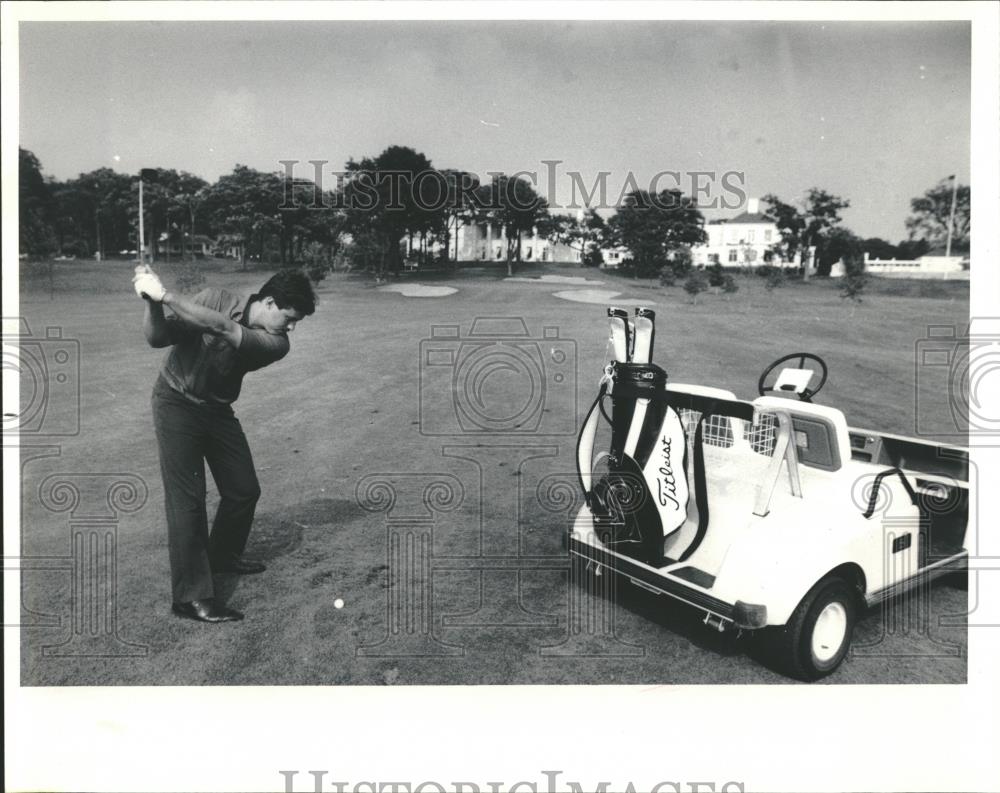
{"x":807,"y":393}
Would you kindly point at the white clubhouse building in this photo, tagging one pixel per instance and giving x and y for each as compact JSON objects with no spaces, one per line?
{"x":742,"y":241}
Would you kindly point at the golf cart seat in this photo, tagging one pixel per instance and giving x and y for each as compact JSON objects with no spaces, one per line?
{"x":821,"y":436}
{"x":749,"y":468}
{"x":737,"y":444}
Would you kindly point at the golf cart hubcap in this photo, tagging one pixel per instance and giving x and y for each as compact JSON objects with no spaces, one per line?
{"x":828,"y":635}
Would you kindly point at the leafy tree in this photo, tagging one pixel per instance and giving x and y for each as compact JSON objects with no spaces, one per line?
{"x":582,"y":233}
{"x":459,"y":207}
{"x":716,"y":275}
{"x":855,"y":278}
{"x":822,"y":217}
{"x":382,"y":198}
{"x":159,"y":187}
{"x":791,"y":223}
{"x":912,"y":249}
{"x":930,"y":214}
{"x":729,"y":285}
{"x":802,"y":229}
{"x":188,"y":198}
{"x":840,"y":244}
{"x":679,"y":260}
{"x":877,"y":248}
{"x":514,"y":206}
{"x":652,"y":227}
{"x":695,"y":284}
{"x":309,"y":227}
{"x":100,"y":209}
{"x":244,"y":205}
{"x":35,"y":205}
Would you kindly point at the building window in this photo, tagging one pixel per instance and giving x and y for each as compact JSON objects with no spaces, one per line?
{"x":527,"y":253}
{"x":750,"y":235}
{"x":751,"y":256}
{"x":767,"y":235}
{"x":713,"y":258}
{"x":733,"y":254}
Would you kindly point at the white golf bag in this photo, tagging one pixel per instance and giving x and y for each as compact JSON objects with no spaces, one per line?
{"x":643,"y":497}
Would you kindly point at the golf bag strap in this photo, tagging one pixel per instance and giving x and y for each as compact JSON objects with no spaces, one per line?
{"x":700,"y":492}
{"x":585,"y":446}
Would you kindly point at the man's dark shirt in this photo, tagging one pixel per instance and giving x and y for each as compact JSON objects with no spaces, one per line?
{"x":206,"y":369}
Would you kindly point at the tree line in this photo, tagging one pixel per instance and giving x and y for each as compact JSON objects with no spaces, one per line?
{"x":382,"y":201}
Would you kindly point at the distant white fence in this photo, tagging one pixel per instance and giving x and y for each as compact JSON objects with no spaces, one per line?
{"x":941,"y":267}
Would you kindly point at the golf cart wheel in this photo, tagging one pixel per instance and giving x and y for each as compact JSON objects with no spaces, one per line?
{"x":818,"y":634}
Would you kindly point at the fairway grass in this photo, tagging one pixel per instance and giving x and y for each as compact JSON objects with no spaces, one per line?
{"x":345,"y":406}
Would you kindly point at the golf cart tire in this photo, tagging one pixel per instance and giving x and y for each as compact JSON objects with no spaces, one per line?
{"x":832,"y":605}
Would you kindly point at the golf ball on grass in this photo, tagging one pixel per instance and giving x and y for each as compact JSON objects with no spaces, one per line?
{"x":338,"y":603}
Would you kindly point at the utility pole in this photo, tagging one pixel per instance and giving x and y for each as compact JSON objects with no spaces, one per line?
{"x":951,"y":216}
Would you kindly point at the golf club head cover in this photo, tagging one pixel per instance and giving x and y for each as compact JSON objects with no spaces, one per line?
{"x":621,"y":336}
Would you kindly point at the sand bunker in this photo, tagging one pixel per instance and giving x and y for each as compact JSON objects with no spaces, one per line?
{"x":419,"y":290}
{"x":600,"y":296}
{"x":552,"y":279}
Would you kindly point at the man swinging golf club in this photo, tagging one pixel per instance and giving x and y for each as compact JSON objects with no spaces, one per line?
{"x":215,"y":338}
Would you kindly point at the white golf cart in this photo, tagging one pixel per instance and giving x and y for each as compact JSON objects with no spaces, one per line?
{"x":779,"y":518}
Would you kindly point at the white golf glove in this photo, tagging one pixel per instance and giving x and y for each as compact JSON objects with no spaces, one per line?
{"x":148,"y":285}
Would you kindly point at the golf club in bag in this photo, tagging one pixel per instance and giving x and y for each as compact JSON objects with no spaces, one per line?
{"x":643,"y":497}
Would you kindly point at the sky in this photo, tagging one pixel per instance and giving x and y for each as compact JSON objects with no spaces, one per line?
{"x":874,"y":112}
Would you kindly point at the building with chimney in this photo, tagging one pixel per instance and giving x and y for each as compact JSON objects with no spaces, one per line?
{"x":743,"y":241}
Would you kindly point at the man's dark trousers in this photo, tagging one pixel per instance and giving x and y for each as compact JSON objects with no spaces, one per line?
{"x":188,"y":435}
